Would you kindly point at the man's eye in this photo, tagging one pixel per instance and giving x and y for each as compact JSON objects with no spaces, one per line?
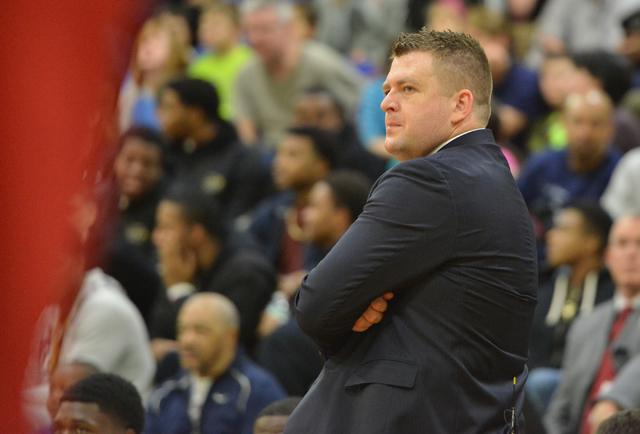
{"x":409,"y":89}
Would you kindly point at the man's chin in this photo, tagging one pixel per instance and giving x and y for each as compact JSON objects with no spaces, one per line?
{"x":189,"y":363}
{"x":391,"y":146}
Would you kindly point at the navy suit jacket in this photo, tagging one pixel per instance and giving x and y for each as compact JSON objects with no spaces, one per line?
{"x":449,"y":234}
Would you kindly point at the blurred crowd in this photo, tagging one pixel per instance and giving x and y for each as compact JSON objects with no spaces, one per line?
{"x":250,"y":136}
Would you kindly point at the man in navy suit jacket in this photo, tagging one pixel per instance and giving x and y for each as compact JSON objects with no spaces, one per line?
{"x":446,"y":232}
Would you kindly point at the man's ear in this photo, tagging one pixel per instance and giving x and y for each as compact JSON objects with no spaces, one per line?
{"x":463,"y":105}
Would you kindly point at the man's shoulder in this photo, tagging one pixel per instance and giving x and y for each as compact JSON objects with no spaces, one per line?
{"x":586,"y":324}
{"x":262,"y":382}
{"x":253,"y":371}
{"x":103,"y":292}
{"x":254,"y":68}
{"x":176,"y":386}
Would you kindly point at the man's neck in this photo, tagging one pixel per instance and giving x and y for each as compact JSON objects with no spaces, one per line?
{"x":220,"y":366}
{"x":580,"y":270}
{"x":154,"y":79}
{"x":584,"y":165}
{"x":204,"y":134}
{"x":629,"y":293}
{"x":226,"y":47}
{"x":453,"y":138}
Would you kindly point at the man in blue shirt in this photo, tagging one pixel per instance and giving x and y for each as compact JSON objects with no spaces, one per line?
{"x":218,"y":391}
{"x":583,"y":169}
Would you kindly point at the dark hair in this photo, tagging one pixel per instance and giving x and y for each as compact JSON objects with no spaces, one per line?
{"x":621,"y":423}
{"x":632,"y":22}
{"x":197,"y":93}
{"x":324,"y":143}
{"x":197,"y":207}
{"x":323,"y":91}
{"x":284,"y":407}
{"x":459,"y":62}
{"x":612,"y":69}
{"x":596,"y":220}
{"x":115,"y":396}
{"x":350,"y":189}
{"x":145,"y":134}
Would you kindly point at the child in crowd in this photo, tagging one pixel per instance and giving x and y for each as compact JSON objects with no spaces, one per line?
{"x":161,"y":53}
{"x":219,"y":32}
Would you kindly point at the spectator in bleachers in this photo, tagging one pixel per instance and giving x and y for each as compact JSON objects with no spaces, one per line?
{"x":100,"y":403}
{"x":572,"y":26}
{"x":160,"y":55}
{"x":94,"y":321}
{"x":218,"y":390}
{"x":361,"y":30}
{"x":583,"y":169}
{"x":444,"y":15}
{"x":318,"y":108}
{"x":557,"y":78}
{"x":602,"y":355}
{"x":304,"y":157}
{"x":196,"y":254}
{"x":63,"y":376}
{"x":273,"y":417}
{"x":612,"y":73}
{"x":269,"y":87}
{"x":624,"y":422}
{"x":138,"y":170}
{"x":334,"y":204}
{"x":622,"y":195}
{"x":219,"y":32}
{"x":563,"y":74}
{"x":206,"y":149}
{"x":573,"y":284}
{"x":370,"y":119}
{"x":516,"y":94}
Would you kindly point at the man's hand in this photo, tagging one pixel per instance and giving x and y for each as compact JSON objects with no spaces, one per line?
{"x":601,"y":411}
{"x":177,"y":261}
{"x":373,"y":314}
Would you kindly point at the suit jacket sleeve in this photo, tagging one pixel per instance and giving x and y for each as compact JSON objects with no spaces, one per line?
{"x":405,"y":232}
{"x":625,"y":391}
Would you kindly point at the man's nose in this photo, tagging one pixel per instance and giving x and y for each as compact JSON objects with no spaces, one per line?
{"x":389,"y":103}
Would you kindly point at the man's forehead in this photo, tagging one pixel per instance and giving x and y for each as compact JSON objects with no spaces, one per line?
{"x":411,"y":67}
{"x":625,"y":227}
{"x":86,"y":412}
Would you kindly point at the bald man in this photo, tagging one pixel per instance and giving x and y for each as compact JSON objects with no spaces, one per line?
{"x":218,"y":389}
{"x":583,"y":169}
{"x":601,"y":363}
